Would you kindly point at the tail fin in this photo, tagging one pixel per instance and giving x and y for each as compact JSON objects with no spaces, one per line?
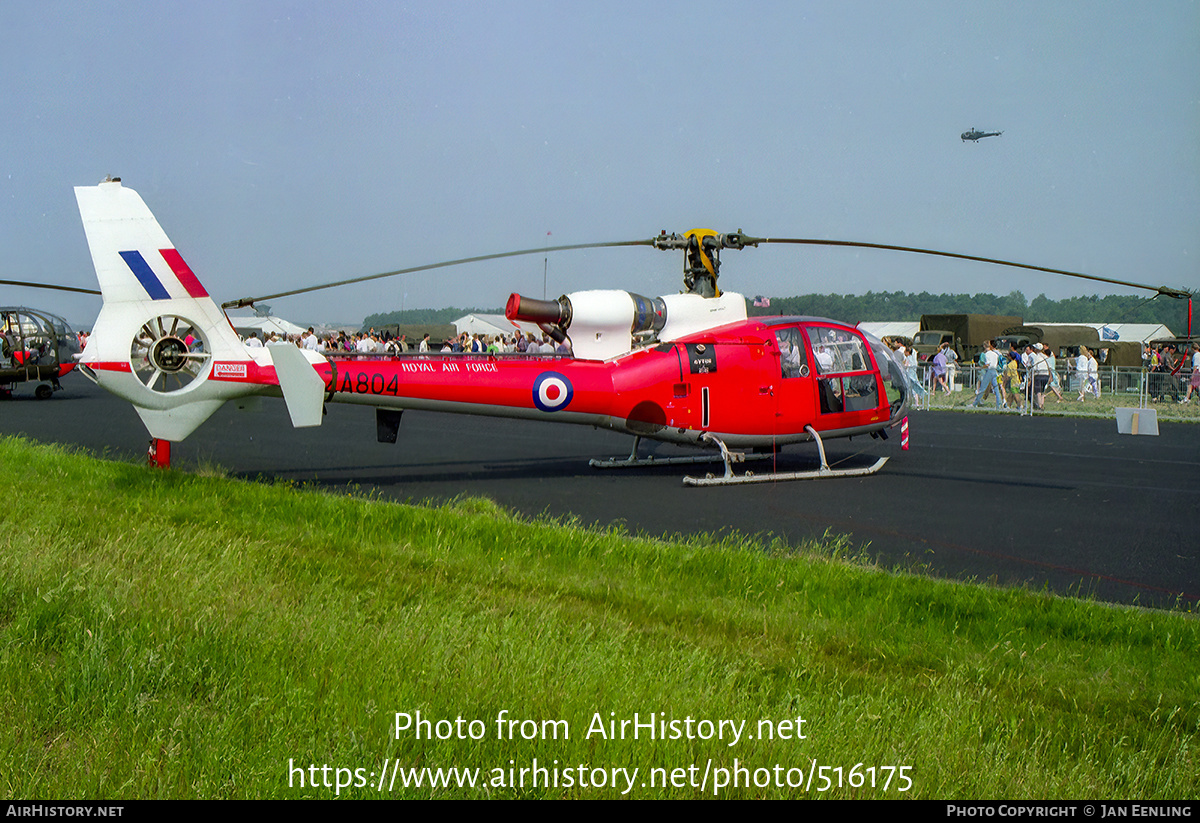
{"x":134,"y":259}
{"x":139,"y":348}
{"x":160,"y":341}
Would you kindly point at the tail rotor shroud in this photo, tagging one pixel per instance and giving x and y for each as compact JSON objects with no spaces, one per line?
{"x":162,"y":358}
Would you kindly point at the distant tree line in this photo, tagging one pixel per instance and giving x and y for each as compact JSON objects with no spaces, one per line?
{"x":899,"y":305}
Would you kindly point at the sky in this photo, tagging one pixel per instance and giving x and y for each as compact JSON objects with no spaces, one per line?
{"x":287,"y":144}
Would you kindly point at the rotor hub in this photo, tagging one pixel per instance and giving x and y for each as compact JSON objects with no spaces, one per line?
{"x":168,"y":354}
{"x":702,"y":256}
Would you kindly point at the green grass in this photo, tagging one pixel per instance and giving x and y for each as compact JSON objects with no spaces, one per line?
{"x":172,"y":635}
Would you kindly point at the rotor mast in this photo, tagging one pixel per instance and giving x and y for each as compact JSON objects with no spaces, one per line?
{"x":702,"y":256}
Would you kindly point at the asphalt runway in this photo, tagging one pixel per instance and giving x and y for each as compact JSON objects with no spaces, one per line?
{"x":1064,"y":504}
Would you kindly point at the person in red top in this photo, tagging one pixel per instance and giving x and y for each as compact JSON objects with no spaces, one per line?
{"x":1195,"y":381}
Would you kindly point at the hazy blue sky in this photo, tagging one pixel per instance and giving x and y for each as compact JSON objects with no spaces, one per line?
{"x":288,"y":143}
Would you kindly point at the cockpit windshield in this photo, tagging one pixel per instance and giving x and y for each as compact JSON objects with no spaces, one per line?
{"x":837,"y":351}
{"x":891,"y":368}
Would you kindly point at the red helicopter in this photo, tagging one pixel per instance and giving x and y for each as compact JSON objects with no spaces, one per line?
{"x":689,"y":368}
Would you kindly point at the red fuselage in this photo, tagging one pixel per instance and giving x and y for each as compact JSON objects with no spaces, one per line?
{"x":755,"y":383}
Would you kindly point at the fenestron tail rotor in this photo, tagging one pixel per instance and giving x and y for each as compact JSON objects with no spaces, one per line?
{"x":169,"y":353}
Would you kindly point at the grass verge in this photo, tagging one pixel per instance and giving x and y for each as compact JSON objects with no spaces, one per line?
{"x":175,"y":636}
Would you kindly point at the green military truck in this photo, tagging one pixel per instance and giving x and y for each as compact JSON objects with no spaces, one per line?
{"x":1064,"y":340}
{"x":966,"y":333}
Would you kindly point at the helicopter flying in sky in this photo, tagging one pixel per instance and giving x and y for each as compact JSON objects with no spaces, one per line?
{"x":975,"y":136}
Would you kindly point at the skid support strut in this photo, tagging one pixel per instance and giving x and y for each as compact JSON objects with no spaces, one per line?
{"x":633,"y":460}
{"x":729,"y":479}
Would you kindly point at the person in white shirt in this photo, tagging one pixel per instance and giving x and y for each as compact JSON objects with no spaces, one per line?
{"x":1039,"y":368}
{"x":991,"y":374}
{"x":1094,"y":373}
{"x":1088,"y":371}
{"x":1053,"y":367}
{"x":911,"y":364}
{"x":824,"y":360}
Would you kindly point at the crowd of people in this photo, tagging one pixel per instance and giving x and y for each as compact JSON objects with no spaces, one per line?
{"x":941,"y":372}
{"x":1164,"y":365}
{"x":1021,"y":380}
{"x":373,"y":342}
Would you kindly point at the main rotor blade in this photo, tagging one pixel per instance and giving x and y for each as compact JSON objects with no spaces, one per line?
{"x":46,"y":286}
{"x":249,"y":301}
{"x":1167,"y":291}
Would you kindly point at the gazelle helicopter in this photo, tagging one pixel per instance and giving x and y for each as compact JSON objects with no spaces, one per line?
{"x":689,"y":368}
{"x":975,"y":136}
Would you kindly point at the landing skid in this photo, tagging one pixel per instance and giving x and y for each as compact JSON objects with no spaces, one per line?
{"x":730,"y":479}
{"x":633,"y":461}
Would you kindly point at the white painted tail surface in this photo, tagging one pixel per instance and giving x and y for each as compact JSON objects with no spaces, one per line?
{"x":152,"y":301}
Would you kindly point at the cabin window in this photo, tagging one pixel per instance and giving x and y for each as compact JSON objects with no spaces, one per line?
{"x":840,"y":357}
{"x":793,"y":360}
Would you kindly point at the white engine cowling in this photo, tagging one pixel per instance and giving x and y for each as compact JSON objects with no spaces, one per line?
{"x":602,"y":323}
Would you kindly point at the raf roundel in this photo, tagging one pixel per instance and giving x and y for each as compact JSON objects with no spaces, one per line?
{"x":552,"y":391}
